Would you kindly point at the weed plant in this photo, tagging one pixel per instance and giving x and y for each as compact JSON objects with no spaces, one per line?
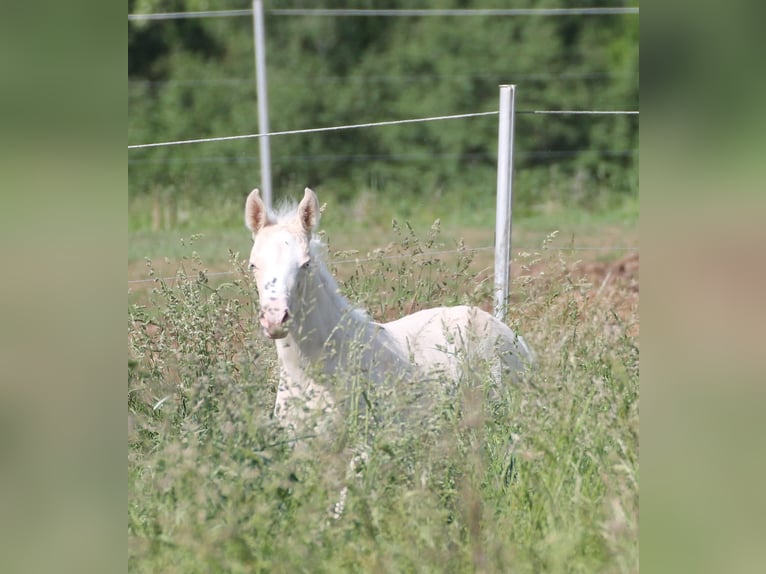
{"x":541,"y":478}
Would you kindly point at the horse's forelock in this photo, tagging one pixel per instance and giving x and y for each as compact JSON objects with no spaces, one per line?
{"x":286,"y":211}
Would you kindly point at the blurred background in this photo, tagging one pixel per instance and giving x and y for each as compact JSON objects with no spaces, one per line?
{"x":195,"y":77}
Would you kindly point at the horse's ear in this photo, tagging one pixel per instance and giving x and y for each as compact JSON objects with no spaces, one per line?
{"x":256,"y":214}
{"x":308,"y":211}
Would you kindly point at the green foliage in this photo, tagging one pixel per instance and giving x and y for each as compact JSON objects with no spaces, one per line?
{"x":213,"y":487}
{"x":195,"y":78}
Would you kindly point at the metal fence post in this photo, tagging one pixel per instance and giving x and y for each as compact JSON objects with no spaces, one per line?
{"x":504,"y":194}
{"x":263,"y":104}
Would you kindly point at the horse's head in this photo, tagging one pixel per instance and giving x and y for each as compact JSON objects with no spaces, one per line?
{"x":280,"y":258}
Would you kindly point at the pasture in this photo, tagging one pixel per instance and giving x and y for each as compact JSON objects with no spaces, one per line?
{"x":214,"y":485}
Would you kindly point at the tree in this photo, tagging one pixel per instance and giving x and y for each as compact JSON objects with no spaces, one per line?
{"x":194,"y":78}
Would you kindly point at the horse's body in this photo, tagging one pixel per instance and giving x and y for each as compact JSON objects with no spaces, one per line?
{"x":321,"y":338}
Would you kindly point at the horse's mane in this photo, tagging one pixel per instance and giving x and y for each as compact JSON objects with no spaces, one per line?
{"x":285,"y":211}
{"x":318,"y":252}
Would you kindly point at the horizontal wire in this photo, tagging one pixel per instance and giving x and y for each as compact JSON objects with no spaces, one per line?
{"x":603,"y":11}
{"x":580,"y":112}
{"x":514,"y":77}
{"x":374,"y":124}
{"x":408,"y":255}
{"x":175,"y":278}
{"x":413,"y":157}
{"x":314,"y":130}
{"x":185,"y":15}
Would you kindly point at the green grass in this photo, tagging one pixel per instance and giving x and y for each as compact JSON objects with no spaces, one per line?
{"x":213,"y":231}
{"x":455,"y":208}
{"x":213,"y":487}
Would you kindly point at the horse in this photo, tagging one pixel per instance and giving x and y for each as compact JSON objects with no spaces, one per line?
{"x":321,"y":338}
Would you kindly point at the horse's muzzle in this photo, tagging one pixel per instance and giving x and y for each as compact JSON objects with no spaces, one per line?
{"x":274,"y":318}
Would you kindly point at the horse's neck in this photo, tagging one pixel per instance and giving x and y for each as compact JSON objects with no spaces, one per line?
{"x":328,"y":333}
{"x":322,"y":314}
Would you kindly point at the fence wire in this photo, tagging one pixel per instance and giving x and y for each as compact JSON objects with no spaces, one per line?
{"x":602,"y":11}
{"x":378,"y":124}
{"x":510,"y":77}
{"x":392,"y":157}
{"x":368,"y":259}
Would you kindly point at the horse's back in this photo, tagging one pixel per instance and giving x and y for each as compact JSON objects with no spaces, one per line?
{"x":441,"y":337}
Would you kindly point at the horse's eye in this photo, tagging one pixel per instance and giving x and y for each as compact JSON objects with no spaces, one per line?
{"x":251,"y":267}
{"x":306,"y":264}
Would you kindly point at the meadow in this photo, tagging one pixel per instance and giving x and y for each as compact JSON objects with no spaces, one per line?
{"x":214,"y":486}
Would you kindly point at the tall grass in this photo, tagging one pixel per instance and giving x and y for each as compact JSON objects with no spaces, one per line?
{"x":215,"y":486}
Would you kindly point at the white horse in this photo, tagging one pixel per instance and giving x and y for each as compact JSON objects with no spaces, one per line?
{"x":321,"y":338}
